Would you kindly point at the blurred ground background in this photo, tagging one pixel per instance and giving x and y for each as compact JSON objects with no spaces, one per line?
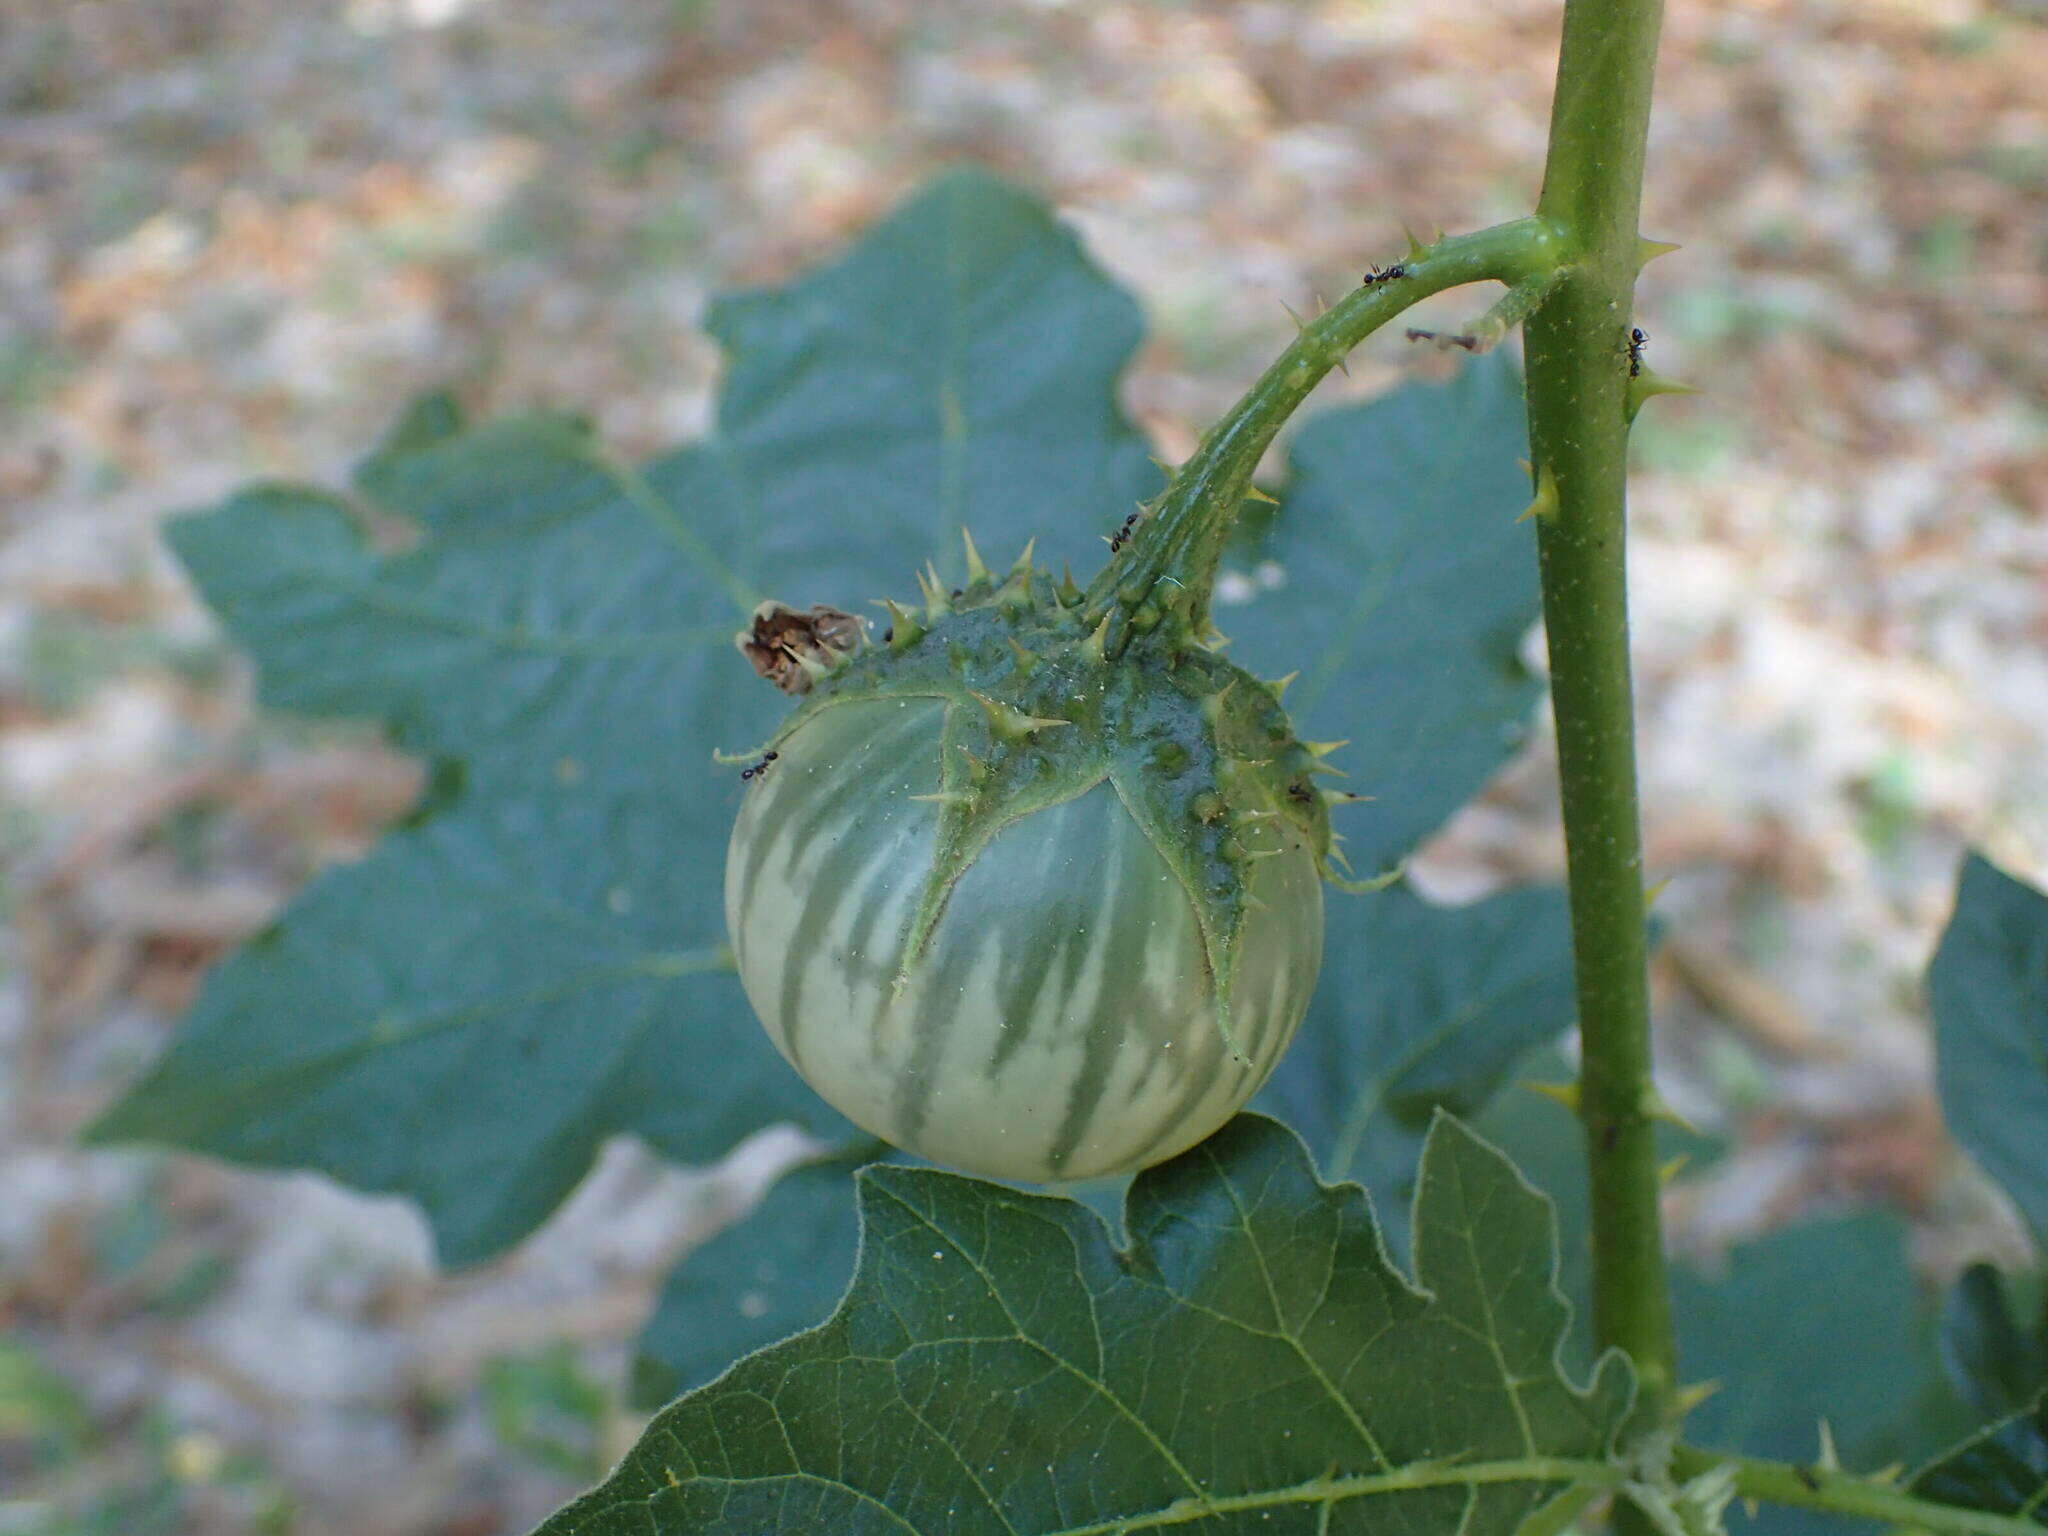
{"x":234,"y":235}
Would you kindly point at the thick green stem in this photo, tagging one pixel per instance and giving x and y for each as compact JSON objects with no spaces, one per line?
{"x":1170,"y":562}
{"x":1840,"y":1493}
{"x":1578,"y":383}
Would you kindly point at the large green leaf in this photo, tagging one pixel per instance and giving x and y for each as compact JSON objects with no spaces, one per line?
{"x":1419,"y":1008}
{"x":534,"y":965}
{"x":2002,"y":1468}
{"x":1396,"y":578}
{"x":1808,"y":1322}
{"x":1252,"y":1363}
{"x":1988,"y":989}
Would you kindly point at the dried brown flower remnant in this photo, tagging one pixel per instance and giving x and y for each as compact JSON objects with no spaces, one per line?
{"x":793,"y":649}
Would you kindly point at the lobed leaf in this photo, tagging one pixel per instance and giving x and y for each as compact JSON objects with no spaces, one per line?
{"x":535,"y":964}
{"x":1253,"y":1362}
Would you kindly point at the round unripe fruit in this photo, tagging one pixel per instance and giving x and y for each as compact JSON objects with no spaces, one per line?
{"x":1061,"y":1022}
{"x":1027,"y":907}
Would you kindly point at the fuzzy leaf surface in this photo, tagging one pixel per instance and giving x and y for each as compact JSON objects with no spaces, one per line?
{"x":533,"y":964}
{"x":1252,"y":1363}
{"x":1988,"y":989}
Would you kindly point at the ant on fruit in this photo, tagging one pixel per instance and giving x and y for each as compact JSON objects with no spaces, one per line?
{"x":1122,"y":536}
{"x":1636,"y":342}
{"x":1383,"y":274}
{"x":761,"y":767}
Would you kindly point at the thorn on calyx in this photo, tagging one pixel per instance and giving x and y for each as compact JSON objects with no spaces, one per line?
{"x":1011,"y":724}
{"x":977,"y":572}
{"x":905,"y":628}
{"x":936,"y":602}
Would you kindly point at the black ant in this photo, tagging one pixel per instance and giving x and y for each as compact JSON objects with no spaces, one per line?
{"x":1383,"y":274}
{"x":1636,"y":342}
{"x":1122,"y":536}
{"x":761,"y":767}
{"x":1301,"y":793}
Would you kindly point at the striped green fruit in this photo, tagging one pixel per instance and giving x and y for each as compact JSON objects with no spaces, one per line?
{"x":1025,"y":908}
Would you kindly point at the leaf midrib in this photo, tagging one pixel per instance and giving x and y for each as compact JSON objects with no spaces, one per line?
{"x":1417,"y":1477}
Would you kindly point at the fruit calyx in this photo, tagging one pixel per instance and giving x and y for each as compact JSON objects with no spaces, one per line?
{"x":1045,"y":705}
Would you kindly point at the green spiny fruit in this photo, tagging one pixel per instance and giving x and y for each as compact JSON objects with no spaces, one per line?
{"x":1017,"y":897}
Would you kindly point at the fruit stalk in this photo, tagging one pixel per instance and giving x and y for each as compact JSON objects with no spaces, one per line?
{"x":1167,"y":569}
{"x":1578,"y":382}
